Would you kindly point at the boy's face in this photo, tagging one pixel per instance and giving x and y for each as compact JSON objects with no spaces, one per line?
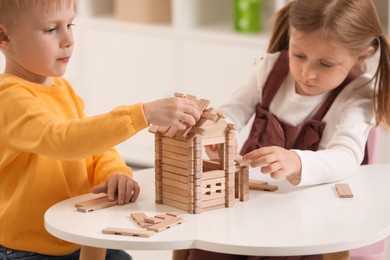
{"x":40,"y":43}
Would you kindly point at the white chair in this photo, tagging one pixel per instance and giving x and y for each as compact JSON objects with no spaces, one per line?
{"x":375,"y":251}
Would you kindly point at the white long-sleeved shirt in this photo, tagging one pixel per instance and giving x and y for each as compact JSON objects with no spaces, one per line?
{"x":348,"y":120}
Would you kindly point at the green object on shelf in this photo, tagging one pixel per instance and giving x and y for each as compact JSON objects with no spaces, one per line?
{"x":247,"y":15}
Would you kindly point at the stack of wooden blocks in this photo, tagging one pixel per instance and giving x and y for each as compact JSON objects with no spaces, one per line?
{"x":187,"y":181}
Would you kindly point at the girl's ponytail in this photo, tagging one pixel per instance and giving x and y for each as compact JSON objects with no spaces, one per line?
{"x":280,"y":32}
{"x":382,"y":75}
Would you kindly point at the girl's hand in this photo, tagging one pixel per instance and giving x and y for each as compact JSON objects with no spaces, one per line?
{"x":275,"y":161}
{"x":212,"y":150}
{"x":120,"y":185}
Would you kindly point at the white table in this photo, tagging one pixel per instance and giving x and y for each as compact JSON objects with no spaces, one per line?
{"x":289,"y":221}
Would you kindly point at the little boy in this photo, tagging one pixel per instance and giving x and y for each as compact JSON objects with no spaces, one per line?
{"x":49,"y":149}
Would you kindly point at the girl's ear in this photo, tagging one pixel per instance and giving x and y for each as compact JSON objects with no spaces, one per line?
{"x":4,"y":40}
{"x":369,"y":52}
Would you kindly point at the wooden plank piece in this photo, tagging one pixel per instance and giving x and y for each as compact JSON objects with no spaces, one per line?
{"x":102,"y":197}
{"x":261,"y":185}
{"x":127,"y":232}
{"x":343,"y":190}
{"x":97,"y":206}
{"x":168,"y":223}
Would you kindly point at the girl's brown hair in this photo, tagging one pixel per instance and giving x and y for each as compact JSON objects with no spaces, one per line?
{"x":353,"y":24}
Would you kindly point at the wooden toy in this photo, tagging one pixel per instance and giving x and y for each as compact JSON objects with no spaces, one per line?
{"x":343,"y":190}
{"x":139,"y":218}
{"x":128,"y":232}
{"x":100,"y":202}
{"x":189,"y":182}
{"x":165,"y":224}
{"x":261,"y":185}
{"x":154,"y":224}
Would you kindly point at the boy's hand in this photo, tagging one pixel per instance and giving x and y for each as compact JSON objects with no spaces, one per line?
{"x":126,"y":189}
{"x":175,"y":112}
{"x":275,"y":161}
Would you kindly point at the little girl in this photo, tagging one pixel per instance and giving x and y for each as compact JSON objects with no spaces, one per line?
{"x":313,"y":104}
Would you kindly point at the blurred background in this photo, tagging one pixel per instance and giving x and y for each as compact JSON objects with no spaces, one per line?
{"x":130,"y":51}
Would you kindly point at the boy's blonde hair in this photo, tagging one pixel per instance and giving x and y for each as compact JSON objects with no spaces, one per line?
{"x":353,"y":24}
{"x":10,"y":9}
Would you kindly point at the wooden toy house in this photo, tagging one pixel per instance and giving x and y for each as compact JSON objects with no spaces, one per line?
{"x":184,"y":179}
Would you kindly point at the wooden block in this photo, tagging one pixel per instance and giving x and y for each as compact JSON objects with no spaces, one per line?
{"x":214,"y":140}
{"x":171,"y":132}
{"x":102,"y":197}
{"x":152,"y":220}
{"x":203,"y":103}
{"x":168,"y":223}
{"x":220,"y":206}
{"x":175,"y":142}
{"x":127,"y":232}
{"x":214,"y":202}
{"x":256,"y":182}
{"x":198,"y":130}
{"x":97,"y":206}
{"x":171,"y":196}
{"x":139,"y":218}
{"x":153,"y":129}
{"x":177,"y":94}
{"x":176,"y":149}
{"x":175,"y":204}
{"x":220,"y":115}
{"x":163,"y":129}
{"x":175,"y":214}
{"x":210,"y":116}
{"x":343,"y":190}
{"x":213,"y":174}
{"x":261,"y":185}
{"x":163,"y":216}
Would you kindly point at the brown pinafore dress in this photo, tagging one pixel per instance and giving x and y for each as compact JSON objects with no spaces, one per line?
{"x":268,"y":130}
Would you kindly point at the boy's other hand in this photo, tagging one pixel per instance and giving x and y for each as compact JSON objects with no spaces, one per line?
{"x":121,"y":186}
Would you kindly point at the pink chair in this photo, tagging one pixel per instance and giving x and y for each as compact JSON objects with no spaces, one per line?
{"x":375,"y":251}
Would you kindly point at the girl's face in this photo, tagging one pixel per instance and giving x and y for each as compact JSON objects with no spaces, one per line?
{"x":41,"y":43}
{"x":316,"y":64}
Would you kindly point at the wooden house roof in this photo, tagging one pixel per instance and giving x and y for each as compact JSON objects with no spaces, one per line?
{"x":211,"y":124}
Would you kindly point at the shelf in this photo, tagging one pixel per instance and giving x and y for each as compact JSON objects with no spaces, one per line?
{"x":197,"y":52}
{"x":193,"y":18}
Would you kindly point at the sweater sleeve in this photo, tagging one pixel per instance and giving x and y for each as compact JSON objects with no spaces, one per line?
{"x":342,"y":147}
{"x":105,"y":164}
{"x":28,"y":125}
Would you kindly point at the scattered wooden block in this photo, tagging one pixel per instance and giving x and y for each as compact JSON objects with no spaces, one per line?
{"x":175,"y":214}
{"x":261,"y":185}
{"x":95,"y":204}
{"x":127,"y":232}
{"x":152,"y":220}
{"x":343,"y":190}
{"x":168,"y":223}
{"x":163,"y":216}
{"x":102,"y":197}
{"x":139,"y":218}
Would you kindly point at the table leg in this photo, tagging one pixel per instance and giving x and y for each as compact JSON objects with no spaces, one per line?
{"x":336,"y":256}
{"x":88,"y":253}
{"x":180,"y":254}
